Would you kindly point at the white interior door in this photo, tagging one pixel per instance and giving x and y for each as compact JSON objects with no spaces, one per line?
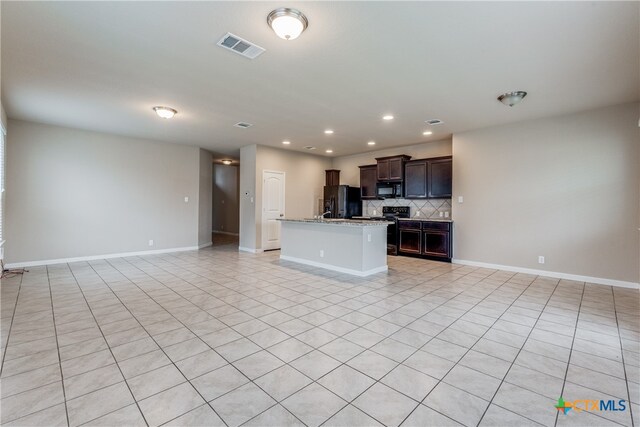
{"x":272,"y":208}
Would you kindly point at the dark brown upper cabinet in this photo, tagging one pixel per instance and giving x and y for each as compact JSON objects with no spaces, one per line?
{"x":391,"y":168}
{"x":415,"y":174}
{"x":428,"y":178}
{"x":332,"y":177}
{"x":440,"y":177}
{"x":368,"y":181}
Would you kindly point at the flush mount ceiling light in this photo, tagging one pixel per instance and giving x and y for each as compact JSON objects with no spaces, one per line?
{"x":371,"y":143}
{"x":287,"y":23}
{"x":165,"y":112}
{"x":329,"y":151}
{"x":512,"y":98}
{"x":387,"y":117}
{"x":286,"y":142}
{"x":427,"y":133}
{"x":227,"y":162}
{"x":328,"y":131}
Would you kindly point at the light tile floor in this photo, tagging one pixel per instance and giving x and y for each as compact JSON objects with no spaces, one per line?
{"x":218,"y":337}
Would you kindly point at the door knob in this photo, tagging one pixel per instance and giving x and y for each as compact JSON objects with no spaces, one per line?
{"x":281,"y":215}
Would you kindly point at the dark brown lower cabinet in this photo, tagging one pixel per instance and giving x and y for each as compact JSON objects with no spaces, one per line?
{"x":427,"y":239}
{"x":410,"y":241}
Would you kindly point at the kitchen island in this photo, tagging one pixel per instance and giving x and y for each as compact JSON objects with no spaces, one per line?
{"x":357,"y":247}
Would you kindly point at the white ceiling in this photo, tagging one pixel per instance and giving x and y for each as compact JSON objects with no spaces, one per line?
{"x":103,"y":65}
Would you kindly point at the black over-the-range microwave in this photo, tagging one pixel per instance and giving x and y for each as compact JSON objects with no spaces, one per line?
{"x":389,"y":190}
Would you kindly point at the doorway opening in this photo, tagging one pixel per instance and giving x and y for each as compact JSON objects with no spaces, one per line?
{"x":226,"y":206}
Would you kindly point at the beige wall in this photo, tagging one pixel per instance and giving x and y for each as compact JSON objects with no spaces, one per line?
{"x":304,"y":182}
{"x":225,"y":198}
{"x":248,"y":224}
{"x":205,"y":195}
{"x":348,"y":165}
{"x":73,"y":193}
{"x":567,"y":188}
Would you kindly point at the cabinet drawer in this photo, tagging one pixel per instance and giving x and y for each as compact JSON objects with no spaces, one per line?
{"x":410,"y":225}
{"x":433,"y":225}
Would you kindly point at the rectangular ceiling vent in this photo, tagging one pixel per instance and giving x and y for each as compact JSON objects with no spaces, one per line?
{"x":310,"y":147}
{"x":240,"y":46}
{"x":243,"y":125}
{"x":434,"y":122}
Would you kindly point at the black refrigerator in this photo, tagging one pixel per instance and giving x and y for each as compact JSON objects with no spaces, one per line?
{"x":342,"y":201}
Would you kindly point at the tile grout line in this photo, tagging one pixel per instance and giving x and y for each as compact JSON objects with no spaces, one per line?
{"x":53,"y":314}
{"x":471,"y":347}
{"x":516,"y":356}
{"x":225,"y":359}
{"x":13,"y":315}
{"x":626,"y":379}
{"x":70,"y":269}
{"x":342,"y":363}
{"x":283,"y":289}
{"x":376,"y":381}
{"x":160,"y":347}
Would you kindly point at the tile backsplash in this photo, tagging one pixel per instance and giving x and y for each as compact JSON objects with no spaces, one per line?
{"x":419,"y":208}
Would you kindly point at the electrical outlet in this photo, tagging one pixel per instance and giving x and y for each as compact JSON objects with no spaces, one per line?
{"x":321,"y":253}
{"x":460,"y":199}
{"x":375,"y":212}
{"x":446,"y":214}
{"x":186,"y":199}
{"x":368,"y":237}
{"x":150,"y":242}
{"x":540,"y":260}
{"x":441,"y":214}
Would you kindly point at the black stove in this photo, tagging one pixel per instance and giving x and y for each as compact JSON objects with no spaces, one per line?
{"x":392,"y":213}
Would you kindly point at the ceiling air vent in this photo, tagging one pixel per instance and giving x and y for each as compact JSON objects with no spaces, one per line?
{"x":309,"y":147}
{"x":240,"y":46}
{"x":434,"y":122}
{"x":243,"y":125}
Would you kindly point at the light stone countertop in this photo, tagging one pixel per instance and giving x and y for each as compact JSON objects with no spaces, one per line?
{"x":338,"y":221}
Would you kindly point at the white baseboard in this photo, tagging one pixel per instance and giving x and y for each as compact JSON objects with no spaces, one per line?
{"x":97,"y":257}
{"x":225,"y":232}
{"x":253,"y":251}
{"x":555,"y":275}
{"x":205,"y":245}
{"x":334,"y":268}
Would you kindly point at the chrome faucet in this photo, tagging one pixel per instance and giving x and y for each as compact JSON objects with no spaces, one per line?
{"x":327,"y":212}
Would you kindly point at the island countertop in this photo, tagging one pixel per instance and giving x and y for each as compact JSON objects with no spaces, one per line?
{"x":338,"y":221}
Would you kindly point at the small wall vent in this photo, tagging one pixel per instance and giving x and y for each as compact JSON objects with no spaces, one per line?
{"x":240,"y":46}
{"x":243,"y":125}
{"x":434,"y":122}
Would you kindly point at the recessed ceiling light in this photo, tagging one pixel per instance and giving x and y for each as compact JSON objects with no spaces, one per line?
{"x":329,"y":151}
{"x":427,"y":133}
{"x":328,"y":131}
{"x":371,"y":143}
{"x":286,"y":142}
{"x":165,"y":112}
{"x":387,"y":117}
{"x":227,"y":162}
{"x":287,"y":23}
